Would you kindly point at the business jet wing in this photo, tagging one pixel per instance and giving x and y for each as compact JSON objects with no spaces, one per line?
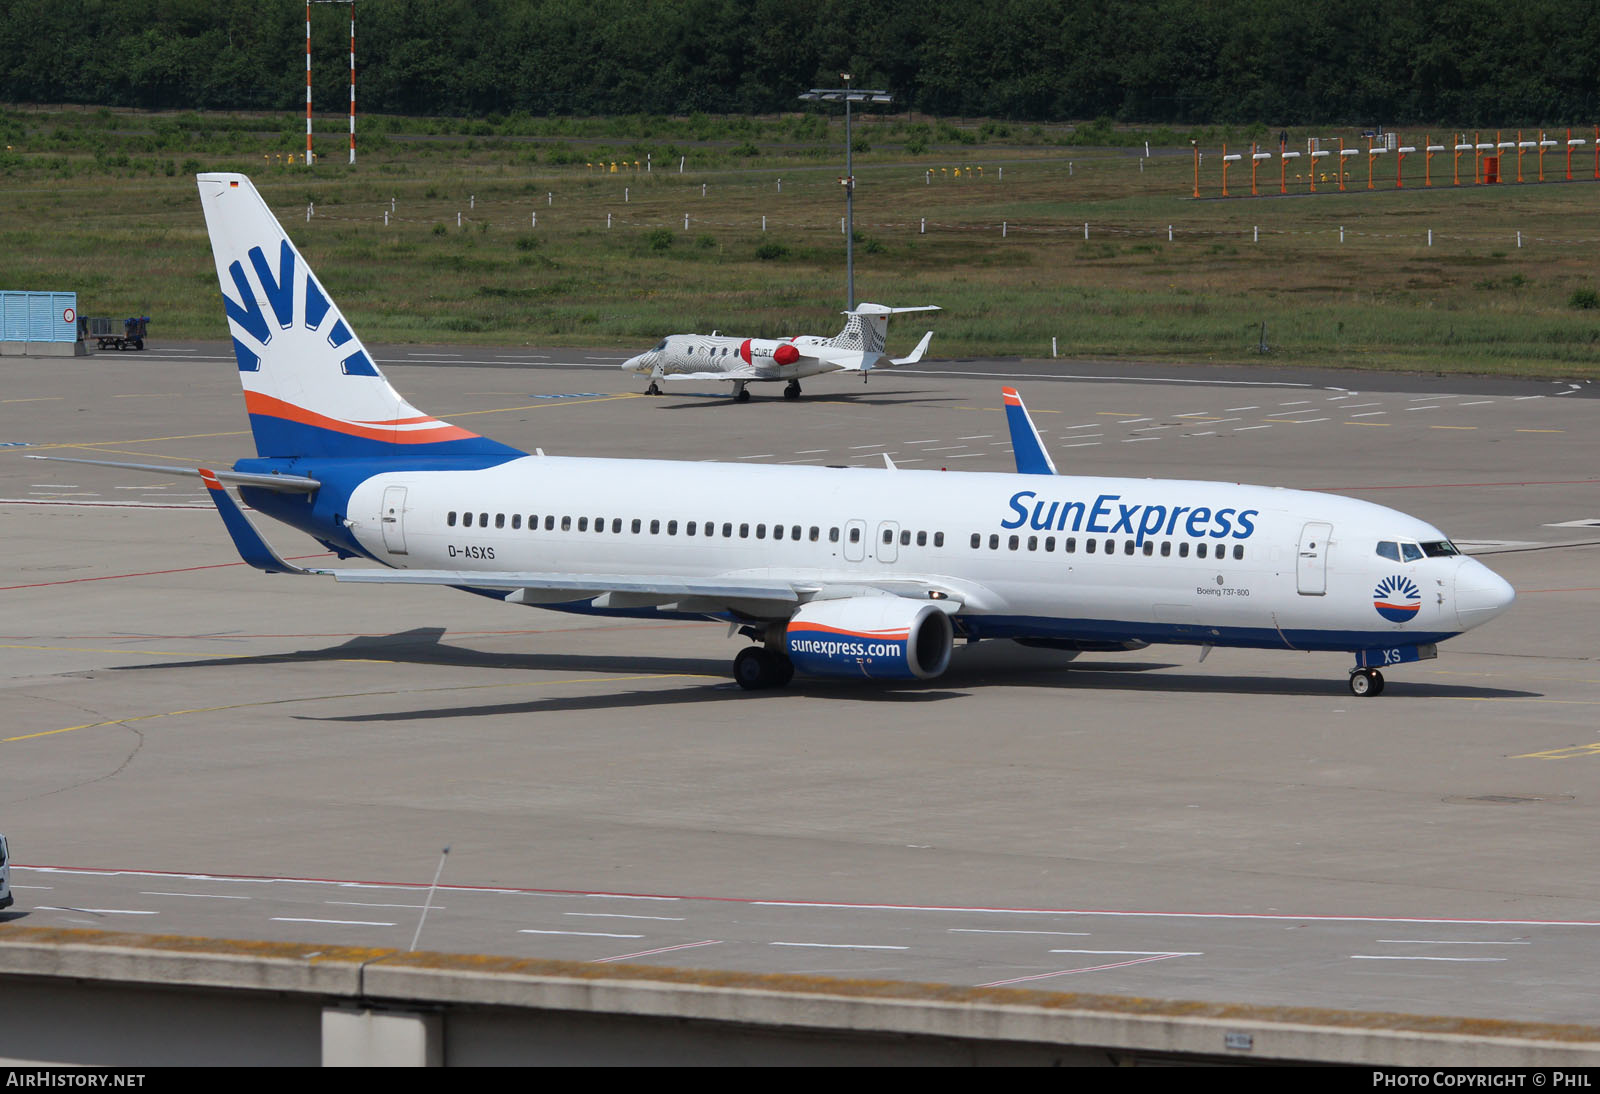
{"x":743,"y":373}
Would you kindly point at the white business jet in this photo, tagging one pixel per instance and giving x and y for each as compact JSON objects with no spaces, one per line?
{"x":845,"y":572}
{"x":859,"y":347}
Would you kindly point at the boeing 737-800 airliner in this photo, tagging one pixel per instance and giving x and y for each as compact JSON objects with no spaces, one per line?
{"x":849,"y":572}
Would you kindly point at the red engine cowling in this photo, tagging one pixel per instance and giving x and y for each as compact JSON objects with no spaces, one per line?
{"x":786,"y":354}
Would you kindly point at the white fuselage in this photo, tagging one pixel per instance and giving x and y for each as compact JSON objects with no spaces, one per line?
{"x":755,"y":358}
{"x":1025,"y":555}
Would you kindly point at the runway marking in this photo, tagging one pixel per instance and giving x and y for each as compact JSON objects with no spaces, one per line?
{"x":837,"y":946}
{"x":369,"y":904}
{"x":661,"y":949}
{"x":1562,"y":753}
{"x":1541,"y":431}
{"x":1452,"y":427}
{"x":1131,"y":953}
{"x":1072,"y":972}
{"x":625,"y":915}
{"x":997,"y":930}
{"x":579,"y":934}
{"x":1401,"y":957}
{"x":36,"y":399}
{"x":1450,"y":942}
{"x":198,"y":896}
{"x":388,"y":692}
{"x":331,"y":922}
{"x":96,"y":911}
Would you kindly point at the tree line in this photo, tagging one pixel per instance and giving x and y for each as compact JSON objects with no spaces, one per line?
{"x":1278,"y":62}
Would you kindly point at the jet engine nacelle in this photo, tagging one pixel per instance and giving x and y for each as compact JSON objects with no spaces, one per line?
{"x":782,"y":353}
{"x":875,"y":637}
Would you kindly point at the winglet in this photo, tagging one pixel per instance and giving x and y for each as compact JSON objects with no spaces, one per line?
{"x":916,"y":354}
{"x":252,"y":548}
{"x":1032,"y":459}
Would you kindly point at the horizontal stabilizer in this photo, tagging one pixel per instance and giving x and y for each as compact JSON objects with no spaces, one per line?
{"x":879,"y":309}
{"x":285,"y":484}
{"x":916,"y":354}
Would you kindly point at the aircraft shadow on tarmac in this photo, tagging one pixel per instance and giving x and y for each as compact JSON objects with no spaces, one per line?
{"x":989,"y":664}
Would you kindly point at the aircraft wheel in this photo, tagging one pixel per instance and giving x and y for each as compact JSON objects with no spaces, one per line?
{"x":752,"y":669}
{"x":784,"y":670}
{"x":1364,"y":682}
{"x":653,"y":389}
{"x":792,"y":391}
{"x":742,"y":396}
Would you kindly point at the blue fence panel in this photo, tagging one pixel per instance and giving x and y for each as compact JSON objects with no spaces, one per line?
{"x":38,"y":316}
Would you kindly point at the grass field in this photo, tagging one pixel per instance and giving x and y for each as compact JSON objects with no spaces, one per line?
{"x":497,"y":232}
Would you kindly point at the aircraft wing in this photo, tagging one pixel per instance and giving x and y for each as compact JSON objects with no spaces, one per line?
{"x":745,"y":373}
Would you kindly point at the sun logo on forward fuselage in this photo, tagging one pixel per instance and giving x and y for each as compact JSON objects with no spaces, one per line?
{"x":1397,"y":598}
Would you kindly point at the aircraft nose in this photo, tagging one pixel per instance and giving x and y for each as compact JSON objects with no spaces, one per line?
{"x":1481,"y":594}
{"x":634,"y":364}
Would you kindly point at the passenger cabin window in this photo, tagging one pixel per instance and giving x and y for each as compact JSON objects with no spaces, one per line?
{"x":1200,"y":551}
{"x":516,"y":521}
{"x":938,"y":539}
{"x":499,"y":520}
{"x":450,"y":519}
{"x":855,"y":535}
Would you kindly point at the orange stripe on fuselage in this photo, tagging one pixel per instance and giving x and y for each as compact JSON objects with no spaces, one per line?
{"x":257,"y":403}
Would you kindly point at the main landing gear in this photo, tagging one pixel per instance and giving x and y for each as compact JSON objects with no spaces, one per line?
{"x":1364,"y":682}
{"x":740,"y":395}
{"x":792,"y":391}
{"x":758,"y":668}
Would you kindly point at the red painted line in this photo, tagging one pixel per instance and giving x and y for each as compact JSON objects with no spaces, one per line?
{"x":1455,"y":485}
{"x":146,"y":573}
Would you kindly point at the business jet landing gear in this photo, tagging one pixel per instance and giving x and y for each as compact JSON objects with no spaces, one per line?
{"x":740,"y":395}
{"x":757,"y":668}
{"x":1366,"y":682}
{"x":653,"y":389}
{"x":792,"y":391}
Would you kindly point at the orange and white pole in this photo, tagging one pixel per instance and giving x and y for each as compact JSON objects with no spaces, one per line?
{"x":352,"y":81}
{"x":308,"y":83}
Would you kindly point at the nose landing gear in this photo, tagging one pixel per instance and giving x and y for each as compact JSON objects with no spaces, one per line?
{"x":1365,"y":682}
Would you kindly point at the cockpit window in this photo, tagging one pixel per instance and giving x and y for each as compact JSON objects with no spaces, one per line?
{"x":1390,"y":550}
{"x":662,"y":346}
{"x":1410,"y":552}
{"x":1439,"y":549}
